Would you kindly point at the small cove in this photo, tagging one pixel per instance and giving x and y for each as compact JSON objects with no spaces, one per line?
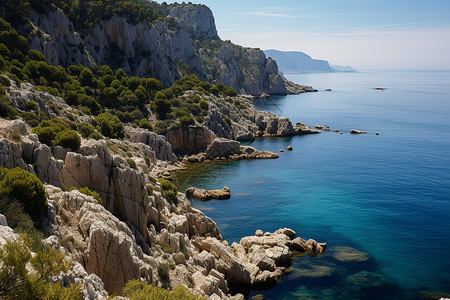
{"x":385,"y":195}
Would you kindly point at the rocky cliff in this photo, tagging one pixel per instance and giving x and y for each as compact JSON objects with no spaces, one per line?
{"x":138,"y":230}
{"x":186,"y":42}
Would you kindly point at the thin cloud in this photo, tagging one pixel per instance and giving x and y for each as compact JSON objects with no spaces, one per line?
{"x":268,"y":14}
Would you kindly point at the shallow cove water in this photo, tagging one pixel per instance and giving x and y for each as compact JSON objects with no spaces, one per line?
{"x":387,"y":195}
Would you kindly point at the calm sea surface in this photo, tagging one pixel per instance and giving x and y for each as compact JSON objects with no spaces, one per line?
{"x":386,"y":195}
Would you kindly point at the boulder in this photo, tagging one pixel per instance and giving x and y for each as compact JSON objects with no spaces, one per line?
{"x":205,"y":195}
{"x":222,"y":148}
{"x":354,"y":131}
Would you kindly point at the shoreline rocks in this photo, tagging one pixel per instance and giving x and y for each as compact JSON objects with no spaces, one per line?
{"x":205,"y":195}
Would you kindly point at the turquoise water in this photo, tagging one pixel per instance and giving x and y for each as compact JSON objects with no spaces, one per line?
{"x":387,"y":195}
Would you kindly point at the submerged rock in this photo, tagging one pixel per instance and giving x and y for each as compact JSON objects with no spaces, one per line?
{"x":205,"y":195}
{"x":349,"y":254}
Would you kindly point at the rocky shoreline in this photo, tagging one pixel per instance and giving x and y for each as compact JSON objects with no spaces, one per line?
{"x":144,"y":225}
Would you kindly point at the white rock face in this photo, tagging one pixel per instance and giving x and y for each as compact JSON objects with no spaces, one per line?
{"x":110,"y":249}
{"x":198,"y":18}
{"x":148,"y":50}
{"x":158,"y":143}
{"x":59,"y":44}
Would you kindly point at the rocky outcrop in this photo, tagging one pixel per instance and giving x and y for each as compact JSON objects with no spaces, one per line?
{"x":198,"y":19}
{"x":191,"y":139}
{"x":144,"y":50}
{"x":163,"y":149}
{"x":54,"y":37}
{"x":121,"y":188}
{"x":101,"y":243}
{"x":40,"y":159}
{"x":204,"y":195}
{"x":222,"y":148}
{"x":158,"y":50}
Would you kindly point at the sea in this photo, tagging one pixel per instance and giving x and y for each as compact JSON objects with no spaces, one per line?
{"x":380,"y":202}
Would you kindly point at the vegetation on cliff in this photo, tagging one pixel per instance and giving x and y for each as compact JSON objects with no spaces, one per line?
{"x":18,"y":282}
{"x":109,"y":95}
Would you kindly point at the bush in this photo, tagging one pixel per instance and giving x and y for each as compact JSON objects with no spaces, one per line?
{"x":110,"y":126}
{"x":227,"y":120}
{"x":6,"y":109}
{"x":88,"y":192}
{"x":161,"y":127}
{"x":86,"y":129}
{"x":25,"y":187}
{"x":137,"y":290}
{"x":230,"y":92}
{"x":95,"y":135}
{"x":145,"y":123}
{"x":132,"y":163}
{"x":185,"y":121}
{"x":45,"y":134}
{"x":68,"y":139}
{"x":163,"y":273}
{"x":151,"y":179}
{"x":31,"y":105}
{"x":17,"y":282}
{"x":169,"y":189}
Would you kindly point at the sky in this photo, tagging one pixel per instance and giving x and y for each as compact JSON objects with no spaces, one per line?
{"x":365,"y":34}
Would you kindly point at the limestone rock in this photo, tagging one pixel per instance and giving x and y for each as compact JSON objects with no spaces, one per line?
{"x":58,"y":43}
{"x":111,"y":251}
{"x":121,"y":188}
{"x":190,"y":139}
{"x":198,"y":19}
{"x":205,"y":195}
{"x":222,"y":148}
{"x":10,"y":155}
{"x":9,"y":128}
{"x":158,"y":143}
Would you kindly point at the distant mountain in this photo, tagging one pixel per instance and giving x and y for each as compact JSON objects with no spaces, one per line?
{"x":299,"y":62}
{"x":344,"y":69}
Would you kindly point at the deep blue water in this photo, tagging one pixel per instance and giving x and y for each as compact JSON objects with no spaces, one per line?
{"x":387,"y":195}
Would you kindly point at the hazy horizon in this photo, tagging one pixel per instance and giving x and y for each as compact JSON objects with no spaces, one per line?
{"x":402,"y":35}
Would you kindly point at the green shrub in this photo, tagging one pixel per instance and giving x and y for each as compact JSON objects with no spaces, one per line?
{"x":88,"y":192}
{"x":147,"y":160}
{"x":46,"y":135}
{"x":6,"y":109}
{"x":17,"y":282}
{"x":185,"y":121}
{"x":110,"y":126}
{"x":145,"y":123}
{"x":227,"y":120}
{"x":151,"y":179}
{"x":86,"y":129}
{"x":68,"y":139}
{"x":21,"y":222}
{"x":161,"y":127}
{"x":31,"y":105}
{"x":95,"y":135}
{"x":132,"y":163}
{"x":25,"y":187}
{"x":149,"y":189}
{"x":169,"y":189}
{"x":163,"y":273}
{"x":137,"y":290}
{"x":230,"y":92}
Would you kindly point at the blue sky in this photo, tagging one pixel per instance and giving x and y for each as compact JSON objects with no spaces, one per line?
{"x":366,"y":34}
